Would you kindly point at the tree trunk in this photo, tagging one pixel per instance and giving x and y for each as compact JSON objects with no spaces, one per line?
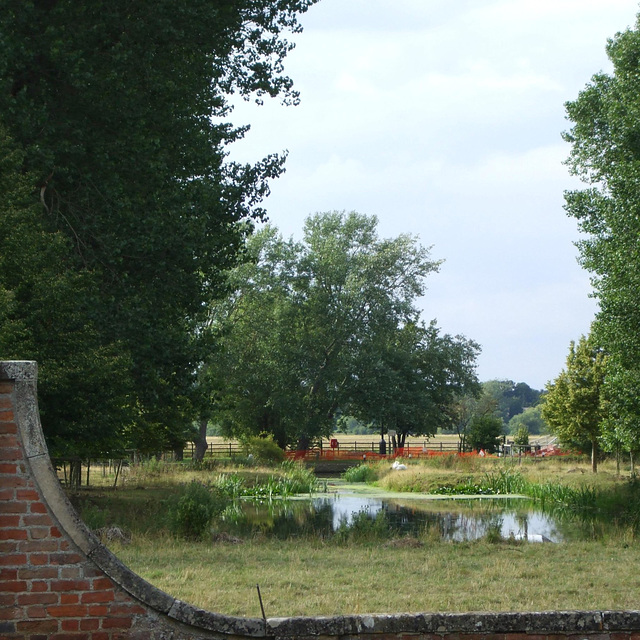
{"x":178,"y":454}
{"x":201,"y":441}
{"x":632,"y":462}
{"x":594,"y":456}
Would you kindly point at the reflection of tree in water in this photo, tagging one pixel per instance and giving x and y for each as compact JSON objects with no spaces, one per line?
{"x":281,"y":519}
{"x":459,"y":521}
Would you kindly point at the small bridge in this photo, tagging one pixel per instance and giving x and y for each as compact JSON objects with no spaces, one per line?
{"x":58,"y":581}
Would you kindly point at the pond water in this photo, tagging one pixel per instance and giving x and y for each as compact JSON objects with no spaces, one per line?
{"x":449,"y":519}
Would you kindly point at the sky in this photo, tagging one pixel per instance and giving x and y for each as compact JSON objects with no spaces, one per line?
{"x":443,"y":118}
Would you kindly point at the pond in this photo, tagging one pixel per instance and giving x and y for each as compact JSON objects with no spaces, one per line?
{"x":401,"y":515}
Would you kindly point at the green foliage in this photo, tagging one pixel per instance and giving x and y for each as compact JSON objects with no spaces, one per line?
{"x":604,"y":155}
{"x":521,"y":436}
{"x":119,"y":112}
{"x":485,"y":433}
{"x":263,"y":449}
{"x":194,"y":509}
{"x":531,"y":419}
{"x":364,"y":528}
{"x":511,"y":398}
{"x":573,"y":405}
{"x":328,"y":327}
{"x":360,"y":473}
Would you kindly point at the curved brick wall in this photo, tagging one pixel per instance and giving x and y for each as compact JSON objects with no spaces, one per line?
{"x":57,"y":581}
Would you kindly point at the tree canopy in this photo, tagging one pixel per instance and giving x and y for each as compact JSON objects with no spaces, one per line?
{"x":573,"y":405}
{"x":328,"y":326}
{"x":605,"y":155}
{"x":118,"y":115}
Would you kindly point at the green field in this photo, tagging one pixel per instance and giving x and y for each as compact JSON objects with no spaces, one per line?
{"x":322,"y":576}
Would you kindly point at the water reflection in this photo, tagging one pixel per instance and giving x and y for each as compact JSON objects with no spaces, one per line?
{"x":453,"y":520}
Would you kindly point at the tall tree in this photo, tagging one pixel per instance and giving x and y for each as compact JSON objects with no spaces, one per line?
{"x":121,"y":111}
{"x":45,"y":314}
{"x":312,"y":324}
{"x":573,"y":406}
{"x":605,"y":155}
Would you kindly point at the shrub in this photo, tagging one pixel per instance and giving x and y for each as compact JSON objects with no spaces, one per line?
{"x":361,"y":473}
{"x":193,"y":510}
{"x":521,"y":436}
{"x":263,"y":449}
{"x":484,"y":433}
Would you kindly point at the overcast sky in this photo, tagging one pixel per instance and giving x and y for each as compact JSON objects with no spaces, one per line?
{"x":444,"y":119}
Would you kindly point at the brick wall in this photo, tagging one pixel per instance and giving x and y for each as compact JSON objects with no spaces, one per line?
{"x":58,"y":582}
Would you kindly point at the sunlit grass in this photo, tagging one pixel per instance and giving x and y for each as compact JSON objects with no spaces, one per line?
{"x":314,"y":578}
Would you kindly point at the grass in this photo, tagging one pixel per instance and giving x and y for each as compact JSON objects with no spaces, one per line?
{"x":337,"y":575}
{"x":316,"y":578}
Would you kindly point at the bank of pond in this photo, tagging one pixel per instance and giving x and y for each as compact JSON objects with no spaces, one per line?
{"x":370,"y":503}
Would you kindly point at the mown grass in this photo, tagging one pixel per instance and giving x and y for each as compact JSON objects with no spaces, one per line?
{"x":312,"y":577}
{"x":361,"y":570}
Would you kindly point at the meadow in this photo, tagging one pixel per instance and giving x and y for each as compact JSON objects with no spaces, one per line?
{"x":372,"y":572}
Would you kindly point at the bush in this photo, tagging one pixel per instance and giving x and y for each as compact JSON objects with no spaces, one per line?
{"x":263,"y":449}
{"x":521,"y":436}
{"x":484,"y":433}
{"x":361,"y":473}
{"x":193,"y":510}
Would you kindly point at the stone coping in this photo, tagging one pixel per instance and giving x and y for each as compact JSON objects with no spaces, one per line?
{"x":24,"y":376}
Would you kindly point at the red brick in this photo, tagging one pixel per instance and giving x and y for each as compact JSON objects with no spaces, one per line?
{"x":41,"y":545}
{"x":36,"y":611}
{"x":38,"y":533}
{"x":37,"y":507}
{"x":13,"y":507}
{"x":72,"y":636}
{"x":98,"y":610}
{"x":39,"y":586}
{"x":10,"y":521}
{"x":9,"y":440}
{"x":5,"y":400}
{"x":70,"y":573}
{"x":10,"y":453}
{"x":7,"y":599}
{"x":6,"y":387}
{"x":69,"y":598}
{"x":8,"y":574}
{"x":7,"y":422}
{"x":10,"y":613}
{"x":7,"y":494}
{"x":89,"y":624}
{"x":93,"y":597}
{"x":9,"y":468}
{"x":67,"y":611}
{"x":14,"y":586}
{"x":70,"y":625}
{"x":13,"y":534}
{"x":128,"y":610}
{"x":14,"y":482}
{"x":65,"y":558}
{"x":28,"y":599}
{"x":102,"y":583}
{"x":42,"y":572}
{"x":13,"y":559}
{"x":116,"y":623}
{"x":38,"y":559}
{"x":35,"y":626}
{"x":27,"y":494}
{"x":37,"y":520}
{"x":54,"y":532}
{"x":70,"y":585}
